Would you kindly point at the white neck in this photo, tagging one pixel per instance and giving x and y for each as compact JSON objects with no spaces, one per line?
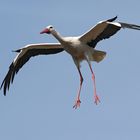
{"x":57,"y":36}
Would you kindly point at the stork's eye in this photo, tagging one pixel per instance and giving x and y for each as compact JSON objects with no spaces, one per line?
{"x":51,"y":27}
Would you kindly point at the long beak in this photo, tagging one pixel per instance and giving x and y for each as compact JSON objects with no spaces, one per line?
{"x":45,"y":31}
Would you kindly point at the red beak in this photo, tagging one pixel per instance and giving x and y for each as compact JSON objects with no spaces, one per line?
{"x":45,"y":31}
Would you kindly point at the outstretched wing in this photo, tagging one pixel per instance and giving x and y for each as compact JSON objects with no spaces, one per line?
{"x":24,"y":54}
{"x":104,"y":30}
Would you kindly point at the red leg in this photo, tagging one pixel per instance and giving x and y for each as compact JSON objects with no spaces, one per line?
{"x":96,"y":98}
{"x":77,"y":102}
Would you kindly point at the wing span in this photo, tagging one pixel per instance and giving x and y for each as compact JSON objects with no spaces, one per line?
{"x":24,"y":54}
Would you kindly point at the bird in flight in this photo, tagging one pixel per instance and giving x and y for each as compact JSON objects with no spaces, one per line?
{"x":79,"y":47}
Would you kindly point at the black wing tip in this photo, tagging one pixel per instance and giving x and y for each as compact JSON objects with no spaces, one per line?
{"x":4,"y":89}
{"x":4,"y":93}
{"x":18,"y":51}
{"x":112,"y":19}
{"x":8,"y":79}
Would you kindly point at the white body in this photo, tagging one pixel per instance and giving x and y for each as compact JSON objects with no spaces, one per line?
{"x":80,"y":48}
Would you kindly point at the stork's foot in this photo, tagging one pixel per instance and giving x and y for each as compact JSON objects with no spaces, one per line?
{"x":96,"y":99}
{"x":77,"y":104}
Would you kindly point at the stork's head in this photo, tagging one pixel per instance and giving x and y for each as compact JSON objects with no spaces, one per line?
{"x":47,"y":30}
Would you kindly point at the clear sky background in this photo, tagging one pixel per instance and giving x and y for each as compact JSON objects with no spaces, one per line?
{"x":39,"y":104}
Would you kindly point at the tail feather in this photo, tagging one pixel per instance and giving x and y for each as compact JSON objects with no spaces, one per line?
{"x":98,"y":55}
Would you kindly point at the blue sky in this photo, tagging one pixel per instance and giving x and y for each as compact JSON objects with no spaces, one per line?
{"x":39,"y":103}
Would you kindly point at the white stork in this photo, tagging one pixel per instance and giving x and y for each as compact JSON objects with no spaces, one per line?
{"x":79,"y":47}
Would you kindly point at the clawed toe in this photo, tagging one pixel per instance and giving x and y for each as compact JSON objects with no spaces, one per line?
{"x":77,"y":104}
{"x":97,"y":100}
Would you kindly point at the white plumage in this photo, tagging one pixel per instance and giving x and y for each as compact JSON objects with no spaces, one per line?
{"x":80,"y":48}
